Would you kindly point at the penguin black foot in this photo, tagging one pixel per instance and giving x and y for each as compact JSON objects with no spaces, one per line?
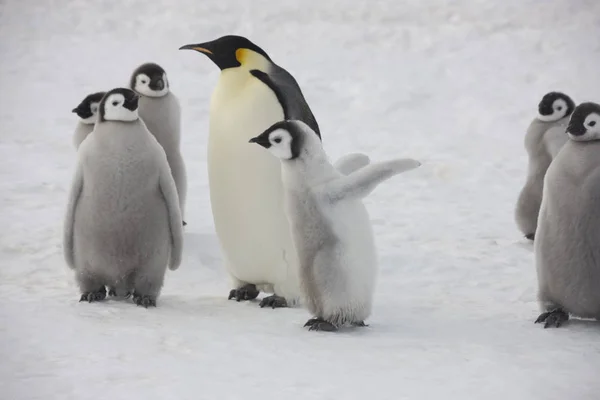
{"x":554,"y":318}
{"x":530,"y":236}
{"x":145,"y":301}
{"x":246,"y":292}
{"x":359,"y":324}
{"x":318,"y":324}
{"x":273,"y":301}
{"x":90,"y":297}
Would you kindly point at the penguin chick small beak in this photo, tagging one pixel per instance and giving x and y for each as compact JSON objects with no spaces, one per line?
{"x":74,"y":110}
{"x":261,"y":140}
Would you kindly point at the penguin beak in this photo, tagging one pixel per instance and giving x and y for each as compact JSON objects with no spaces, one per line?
{"x":74,"y":110}
{"x":262,"y":140}
{"x":201,"y":47}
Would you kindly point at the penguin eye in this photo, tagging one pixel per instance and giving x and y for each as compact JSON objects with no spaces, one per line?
{"x":559,"y":108}
{"x":144,"y":81}
{"x":277,"y":140}
{"x":115,"y":103}
{"x":592,"y":123}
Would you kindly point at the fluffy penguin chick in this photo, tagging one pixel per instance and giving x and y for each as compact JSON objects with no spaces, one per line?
{"x":330,"y":226}
{"x":544,"y":138}
{"x":87,"y":111}
{"x":160,"y":111}
{"x":123,"y":223}
{"x":566,"y":245}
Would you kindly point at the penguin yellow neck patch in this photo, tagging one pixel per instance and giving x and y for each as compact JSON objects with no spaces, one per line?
{"x":241,"y":55}
{"x":251,"y":59}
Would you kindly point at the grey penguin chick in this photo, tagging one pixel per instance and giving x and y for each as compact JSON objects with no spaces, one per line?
{"x":123,"y":224}
{"x":544,"y":138}
{"x":330,"y":225}
{"x":566,"y":246}
{"x":160,"y":110}
{"x":87,"y":111}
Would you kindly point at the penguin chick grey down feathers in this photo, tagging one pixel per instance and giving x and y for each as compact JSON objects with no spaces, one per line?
{"x":330,"y":225}
{"x":123,"y":224}
{"x":544,"y":138}
{"x":566,"y":246}
{"x":252,"y":93}
{"x":87,"y":111}
{"x":159,"y":109}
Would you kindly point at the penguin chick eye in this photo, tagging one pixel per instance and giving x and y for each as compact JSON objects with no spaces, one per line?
{"x":592,"y":123}
{"x":277,"y":140}
{"x":144,"y":81}
{"x":115,"y":103}
{"x":559,"y":108}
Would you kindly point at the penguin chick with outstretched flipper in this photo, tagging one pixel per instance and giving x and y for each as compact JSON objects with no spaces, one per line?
{"x":160,"y":110}
{"x":544,"y":138}
{"x":87,"y":111}
{"x":123,"y":224}
{"x":566,"y":248}
{"x":330,"y":225}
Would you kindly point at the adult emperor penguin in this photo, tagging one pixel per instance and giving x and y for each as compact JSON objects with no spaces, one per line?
{"x":566,"y":246}
{"x":245,"y":182}
{"x":87,"y":111}
{"x":123,"y":223}
{"x":544,"y":138}
{"x":330,"y":225}
{"x":160,"y":111}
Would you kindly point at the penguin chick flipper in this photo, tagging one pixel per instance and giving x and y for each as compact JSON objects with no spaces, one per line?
{"x":246,"y":292}
{"x":351,"y":162}
{"x":97,"y":295}
{"x":362,"y":182}
{"x":555,"y":318}
{"x":273,"y":301}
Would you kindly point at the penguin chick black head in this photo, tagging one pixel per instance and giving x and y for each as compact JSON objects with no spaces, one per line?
{"x":228,"y":51}
{"x":584,"y":124}
{"x":554,"y":106}
{"x":119,"y":104}
{"x":285,"y":139}
{"x":150,"y":80}
{"x":87,"y":110}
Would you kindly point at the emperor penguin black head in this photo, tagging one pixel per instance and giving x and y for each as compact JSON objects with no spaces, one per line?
{"x":584,"y":124}
{"x":87,"y":110}
{"x":119,"y":104}
{"x":228,"y":51}
{"x":284,"y":139}
{"x":554,"y":106}
{"x":150,"y":80}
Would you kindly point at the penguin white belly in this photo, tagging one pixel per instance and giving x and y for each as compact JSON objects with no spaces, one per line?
{"x":246,"y":189}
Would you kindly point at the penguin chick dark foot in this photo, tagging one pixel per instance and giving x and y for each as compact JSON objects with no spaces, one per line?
{"x":145,"y":301}
{"x":359,"y":324}
{"x":112,"y":292}
{"x":184,"y":223}
{"x":554,"y":318}
{"x":246,"y":292}
{"x":273,"y":301}
{"x":90,"y":297}
{"x":530,"y":236}
{"x":318,"y":324}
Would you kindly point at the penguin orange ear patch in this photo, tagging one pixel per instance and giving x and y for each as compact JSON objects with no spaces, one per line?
{"x":240,"y":55}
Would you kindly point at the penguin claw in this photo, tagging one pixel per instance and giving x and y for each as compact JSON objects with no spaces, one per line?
{"x":145,"y":301}
{"x":246,"y":292}
{"x":90,"y":297}
{"x":318,"y":324}
{"x":112,"y":292}
{"x":530,"y":236}
{"x":273,"y":301}
{"x":554,"y":318}
{"x":360,"y":324}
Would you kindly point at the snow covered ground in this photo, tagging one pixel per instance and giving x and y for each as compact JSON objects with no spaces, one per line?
{"x":452,"y":83}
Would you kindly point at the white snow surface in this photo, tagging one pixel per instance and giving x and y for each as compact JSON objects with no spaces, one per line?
{"x":451,"y":83}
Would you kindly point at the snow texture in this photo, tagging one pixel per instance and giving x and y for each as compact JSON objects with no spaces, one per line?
{"x":451,"y":83}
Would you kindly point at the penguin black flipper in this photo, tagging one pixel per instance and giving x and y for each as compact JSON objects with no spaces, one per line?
{"x":289,"y":95}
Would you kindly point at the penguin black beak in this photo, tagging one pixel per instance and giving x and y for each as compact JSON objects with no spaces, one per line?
{"x":74,"y":110}
{"x":159,"y":84}
{"x":201,"y":47}
{"x":576,"y":129}
{"x":262,"y":140}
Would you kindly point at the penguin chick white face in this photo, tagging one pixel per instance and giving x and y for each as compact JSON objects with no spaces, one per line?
{"x":584,"y":124}
{"x":87,"y":110}
{"x":150,"y":80}
{"x":285,"y":139}
{"x":119,"y":104}
{"x":231,"y":52}
{"x":554,"y":106}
